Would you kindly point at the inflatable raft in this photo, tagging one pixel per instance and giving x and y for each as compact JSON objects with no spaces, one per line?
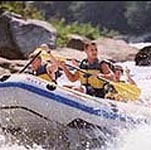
{"x":27,"y":101}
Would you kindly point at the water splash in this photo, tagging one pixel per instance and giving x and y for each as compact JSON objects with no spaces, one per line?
{"x":137,"y":139}
{"x":96,"y":138}
{"x":17,"y":147}
{"x":10,"y":142}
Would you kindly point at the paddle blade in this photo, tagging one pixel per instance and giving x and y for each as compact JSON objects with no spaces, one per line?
{"x":127,"y":91}
{"x":46,"y":57}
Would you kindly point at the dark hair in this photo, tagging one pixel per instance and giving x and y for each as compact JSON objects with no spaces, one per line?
{"x":50,"y":46}
{"x":118,"y":67}
{"x":109,"y":63}
{"x":88,"y":44}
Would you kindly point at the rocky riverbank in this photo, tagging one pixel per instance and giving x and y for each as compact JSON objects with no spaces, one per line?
{"x":20,"y":36}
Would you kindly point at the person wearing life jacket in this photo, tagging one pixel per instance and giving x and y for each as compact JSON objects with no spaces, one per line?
{"x":43,"y":69}
{"x":90,"y":84}
{"x":118,"y":73}
{"x":112,"y":92}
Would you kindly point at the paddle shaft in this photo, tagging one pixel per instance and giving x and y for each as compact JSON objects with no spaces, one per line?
{"x":116,"y":85}
{"x":22,"y":70}
{"x":70,"y":59}
{"x":89,"y":74}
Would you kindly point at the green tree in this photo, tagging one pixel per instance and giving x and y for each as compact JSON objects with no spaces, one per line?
{"x":25,"y":9}
{"x":138,"y":16}
{"x":104,"y":14}
{"x":54,"y":9}
{"x":64,"y":30}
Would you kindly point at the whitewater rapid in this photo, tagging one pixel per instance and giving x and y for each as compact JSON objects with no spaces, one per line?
{"x":127,"y":139}
{"x":138,"y":138}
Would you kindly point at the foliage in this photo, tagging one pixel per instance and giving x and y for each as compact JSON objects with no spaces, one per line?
{"x":57,"y":10}
{"x":23,"y":8}
{"x":138,"y":16}
{"x":64,"y":30}
{"x":83,"y":29}
{"x":125,"y":16}
{"x":102,"y":14}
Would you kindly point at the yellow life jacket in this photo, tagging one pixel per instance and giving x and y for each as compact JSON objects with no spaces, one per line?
{"x":45,"y":76}
{"x":91,"y":69}
{"x":44,"y":55}
{"x":93,"y":81}
{"x":42,"y":73}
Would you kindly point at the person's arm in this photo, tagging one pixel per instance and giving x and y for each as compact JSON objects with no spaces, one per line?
{"x":108,"y":76}
{"x":52,"y":58}
{"x":106,"y":71}
{"x":51,"y":69}
{"x":71,"y":76}
{"x":129,"y":79}
{"x":48,"y":51}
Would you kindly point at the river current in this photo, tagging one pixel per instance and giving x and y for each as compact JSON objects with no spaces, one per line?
{"x":63,"y":138}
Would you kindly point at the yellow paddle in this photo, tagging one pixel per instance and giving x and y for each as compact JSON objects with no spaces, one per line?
{"x":45,"y":56}
{"x":26,"y":66}
{"x":125,"y":91}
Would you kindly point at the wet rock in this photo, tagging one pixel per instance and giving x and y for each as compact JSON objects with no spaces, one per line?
{"x":143,"y":57}
{"x":19,"y":36}
{"x":11,"y":66}
{"x":69,"y":53}
{"x":8,"y":48}
{"x":76,"y":41}
{"x":115,"y":49}
{"x":110,"y":49}
{"x":4,"y":71}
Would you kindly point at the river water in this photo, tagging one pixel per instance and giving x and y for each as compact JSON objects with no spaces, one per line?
{"x":63,"y":138}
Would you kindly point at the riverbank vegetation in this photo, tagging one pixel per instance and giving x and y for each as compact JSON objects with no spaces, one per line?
{"x":86,"y":18}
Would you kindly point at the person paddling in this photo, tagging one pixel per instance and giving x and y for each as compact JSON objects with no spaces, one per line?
{"x":41,"y":68}
{"x":90,"y":84}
